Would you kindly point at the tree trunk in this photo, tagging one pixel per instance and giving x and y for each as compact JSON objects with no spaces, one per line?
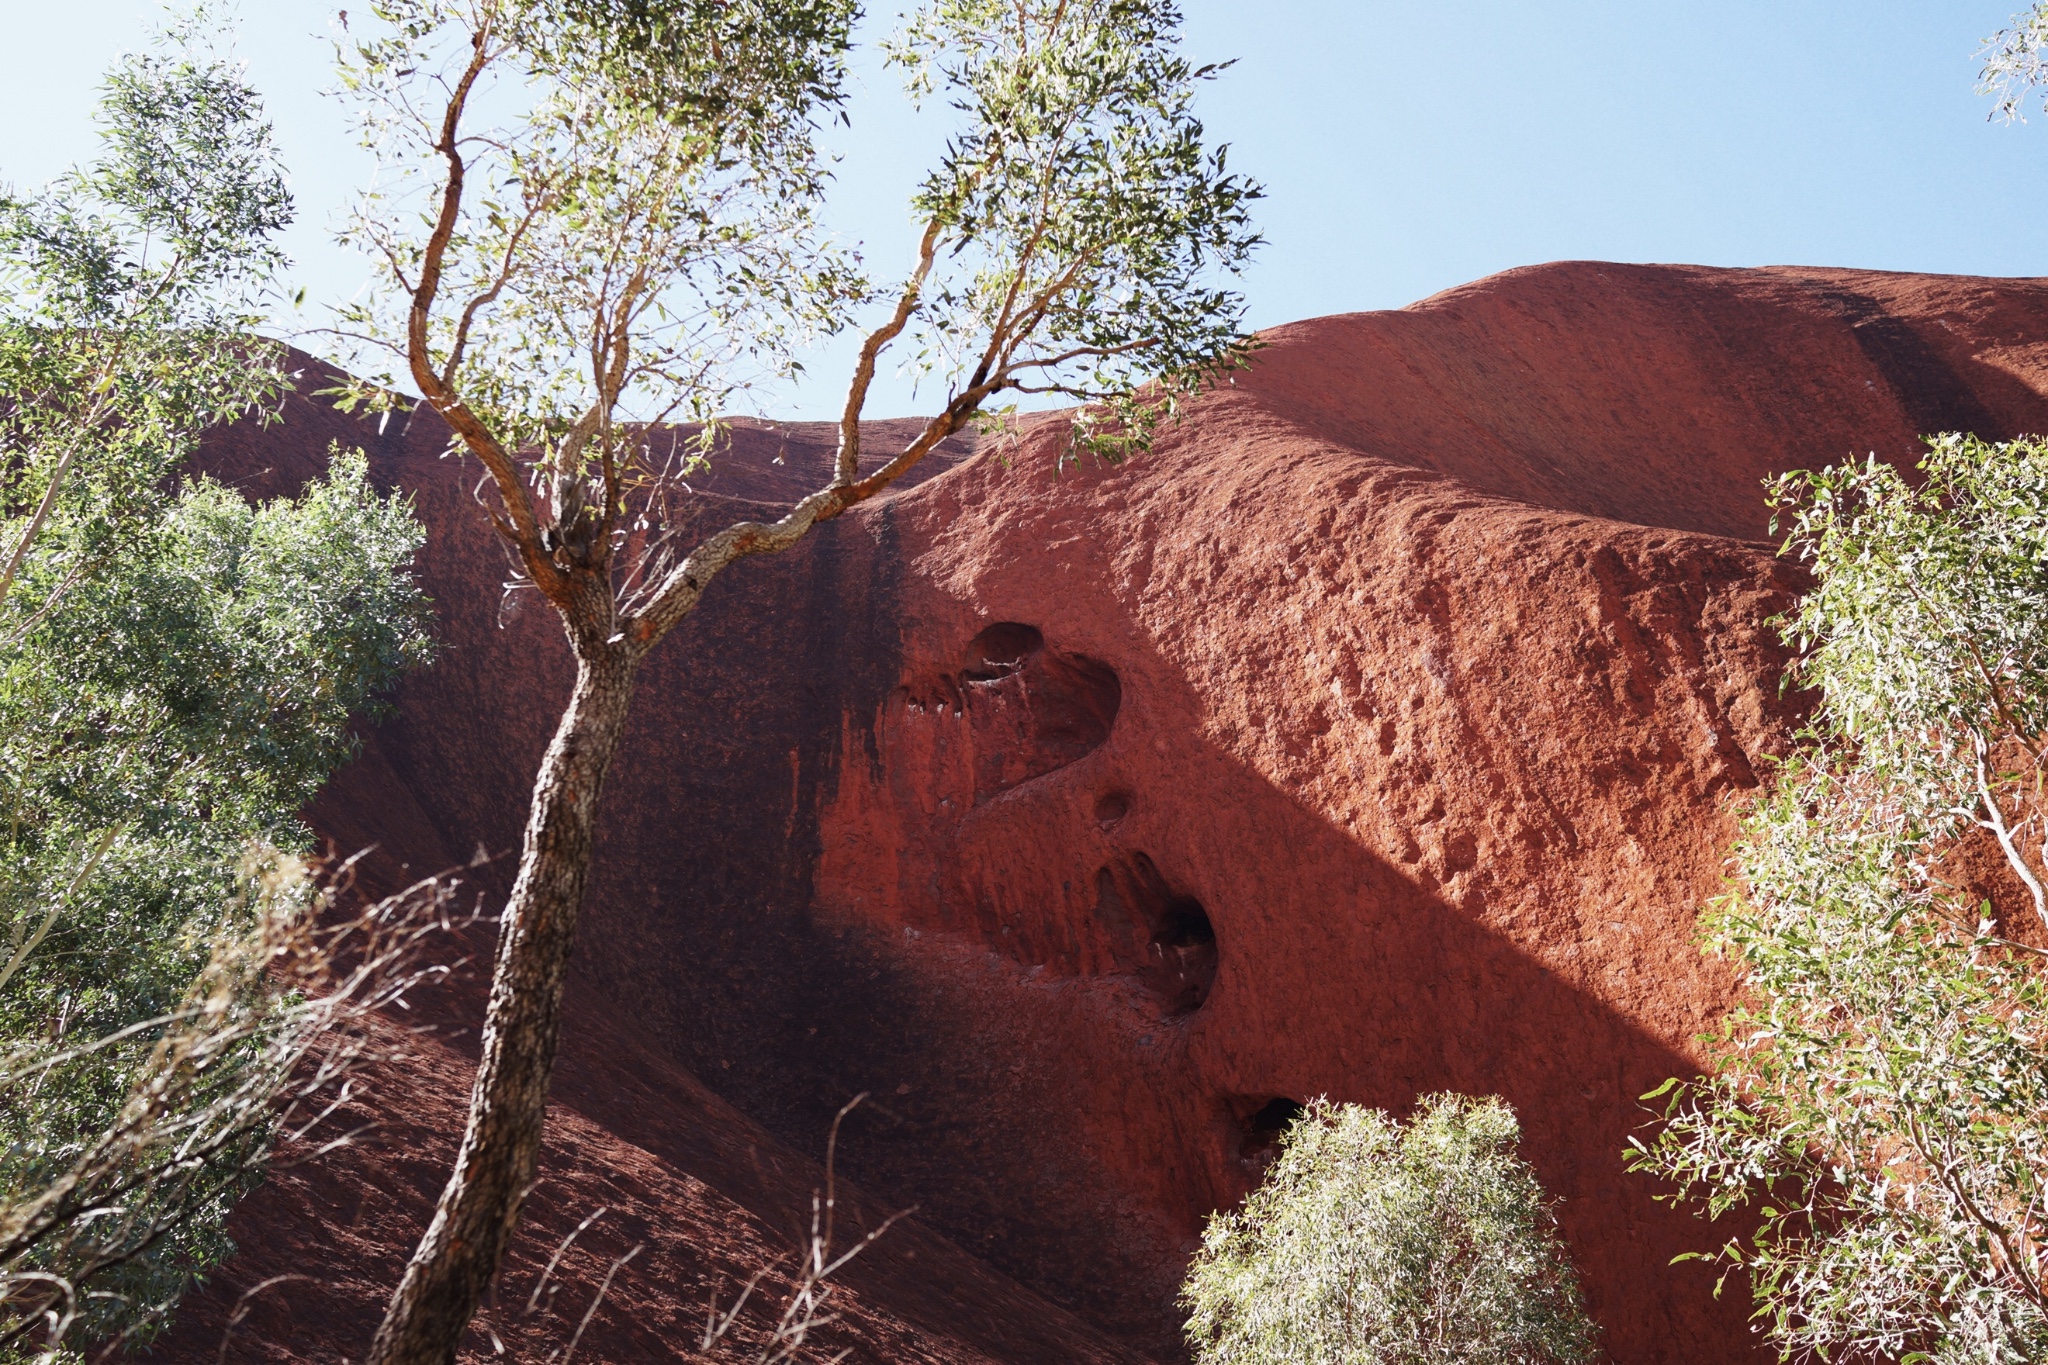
{"x":455,"y":1261}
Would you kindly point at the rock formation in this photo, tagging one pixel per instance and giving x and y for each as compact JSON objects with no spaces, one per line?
{"x":1377,"y":734}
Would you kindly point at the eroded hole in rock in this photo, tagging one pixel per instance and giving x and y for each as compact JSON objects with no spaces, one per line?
{"x":1028,"y":708}
{"x":1162,"y":937}
{"x":1262,"y":1131}
{"x":1033,"y":709}
{"x":1184,"y":951}
{"x":1111,"y":809}
{"x":1001,"y":650}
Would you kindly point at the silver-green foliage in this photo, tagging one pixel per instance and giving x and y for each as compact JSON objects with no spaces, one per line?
{"x":1881,"y":1104}
{"x":1087,"y":233}
{"x":2016,"y":61}
{"x":1370,"y":1243}
{"x":177,"y":666}
{"x":593,"y":216}
{"x":612,"y":202}
{"x":108,"y":1214}
{"x":1927,"y":633}
{"x":130,"y":291}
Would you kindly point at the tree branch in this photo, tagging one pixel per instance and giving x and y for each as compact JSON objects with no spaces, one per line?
{"x":522,"y":526}
{"x":1996,"y":824}
{"x":847,"y":467}
{"x":490,"y":295}
{"x":684,"y":586}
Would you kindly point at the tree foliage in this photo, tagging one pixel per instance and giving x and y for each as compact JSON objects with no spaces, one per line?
{"x":111,"y":1211}
{"x":2016,"y":61}
{"x":177,"y":666}
{"x":131,"y":289}
{"x":1925,"y":634}
{"x":1429,"y":1244}
{"x":1881,"y":1103}
{"x":589,"y":211}
{"x":1087,"y":229}
{"x":572,"y":232}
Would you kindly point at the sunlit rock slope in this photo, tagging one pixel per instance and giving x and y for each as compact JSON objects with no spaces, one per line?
{"x":1377,"y":734}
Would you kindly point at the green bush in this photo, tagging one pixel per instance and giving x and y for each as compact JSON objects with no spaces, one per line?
{"x":1431,"y":1244}
{"x":1880,"y":1106}
{"x":178,"y":669}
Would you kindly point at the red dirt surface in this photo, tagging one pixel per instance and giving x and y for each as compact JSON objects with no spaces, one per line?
{"x":1377,"y":734}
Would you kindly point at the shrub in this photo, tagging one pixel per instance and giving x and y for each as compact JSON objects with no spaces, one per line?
{"x":1368,"y":1241}
{"x":177,"y":672}
{"x":1880,"y":1105}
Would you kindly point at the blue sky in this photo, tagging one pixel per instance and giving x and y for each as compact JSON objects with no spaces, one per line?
{"x":1407,"y":145}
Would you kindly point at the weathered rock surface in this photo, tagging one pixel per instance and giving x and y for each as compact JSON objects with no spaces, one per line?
{"x":1377,"y":734}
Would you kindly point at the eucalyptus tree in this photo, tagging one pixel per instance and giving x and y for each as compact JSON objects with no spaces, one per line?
{"x":599,"y":216}
{"x":1429,"y":1243}
{"x":1879,"y":1107}
{"x":1881,"y":1100}
{"x":132,"y":289}
{"x":177,"y":672}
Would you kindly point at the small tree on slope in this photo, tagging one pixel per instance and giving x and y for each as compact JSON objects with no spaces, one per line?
{"x":600,"y":211}
{"x":1368,"y":1242}
{"x":1882,"y":1097}
{"x":177,"y":673}
{"x":1881,"y":1100}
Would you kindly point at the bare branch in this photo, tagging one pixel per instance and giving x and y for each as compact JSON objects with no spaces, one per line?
{"x":602,"y":1290}
{"x":847,"y":468}
{"x":561,"y":1247}
{"x":803,"y":1312}
{"x":1080,"y":352}
{"x":489,"y":296}
{"x":1994,"y":820}
{"x":684,"y":585}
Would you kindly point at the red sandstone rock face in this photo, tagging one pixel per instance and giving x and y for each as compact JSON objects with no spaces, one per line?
{"x":1377,"y":734}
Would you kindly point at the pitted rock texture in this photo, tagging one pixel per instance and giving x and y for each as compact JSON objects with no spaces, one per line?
{"x":1379,"y":733}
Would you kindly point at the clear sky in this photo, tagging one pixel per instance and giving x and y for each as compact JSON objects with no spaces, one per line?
{"x":1407,"y":145}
